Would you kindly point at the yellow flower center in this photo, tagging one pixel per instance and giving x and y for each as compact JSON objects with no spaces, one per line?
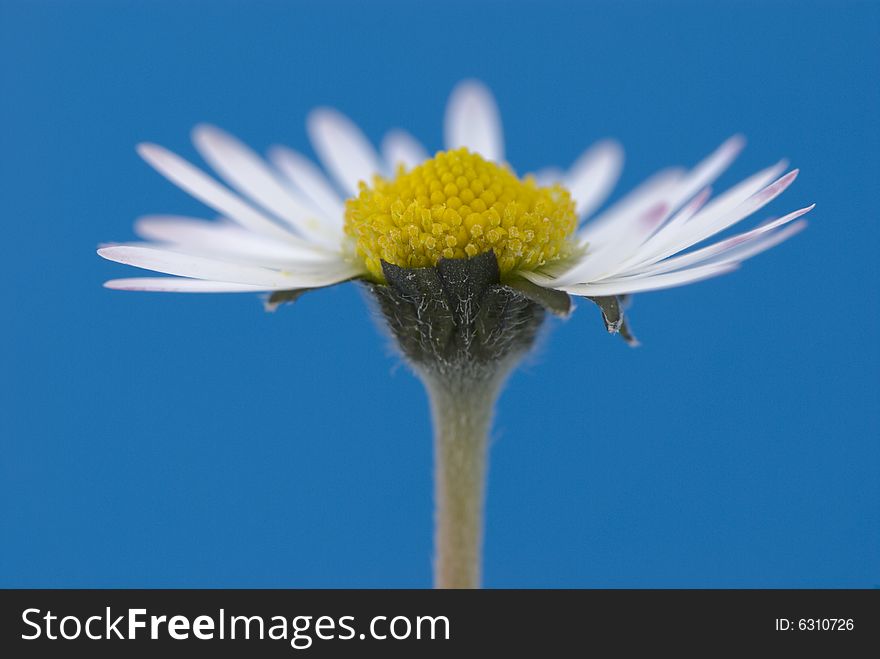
{"x":458,"y":205}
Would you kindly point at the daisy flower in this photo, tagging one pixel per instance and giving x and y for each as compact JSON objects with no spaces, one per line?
{"x":462,"y":256}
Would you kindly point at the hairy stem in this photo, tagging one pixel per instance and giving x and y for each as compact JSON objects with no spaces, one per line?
{"x":462,"y":416}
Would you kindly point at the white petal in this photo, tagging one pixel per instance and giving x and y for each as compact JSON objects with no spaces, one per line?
{"x":186,"y":265}
{"x":670,"y":189}
{"x":734,"y":246}
{"x":180,"y":285}
{"x":705,"y":173}
{"x":310,"y":181}
{"x":343,"y":149}
{"x":401,"y":148}
{"x":225,"y":238}
{"x":473,"y":121}
{"x":742,"y":191}
{"x":206,"y":189}
{"x":616,"y":219}
{"x":755,"y":247}
{"x":245,"y":171}
{"x":716,"y":217}
{"x":669,"y":239}
{"x":640,"y":284}
{"x":638,"y":255}
{"x":602,"y":259}
{"x":593,"y":175}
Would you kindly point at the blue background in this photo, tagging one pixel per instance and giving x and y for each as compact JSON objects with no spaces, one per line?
{"x":172,"y":440}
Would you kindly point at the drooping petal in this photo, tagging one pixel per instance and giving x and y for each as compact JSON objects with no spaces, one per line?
{"x":188,"y":265}
{"x":245,"y":171}
{"x":310,"y":181}
{"x":593,"y":175}
{"x":401,"y":148}
{"x":344,"y":150}
{"x":473,"y":121}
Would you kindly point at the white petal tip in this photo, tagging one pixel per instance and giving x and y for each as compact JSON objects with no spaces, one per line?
{"x":320,"y":116}
{"x":782,"y":183}
{"x":612,"y":146}
{"x":473,"y":121}
{"x":471,"y":86}
{"x":155,"y":155}
{"x":207,"y":132}
{"x":145,"y":149}
{"x":735,"y":143}
{"x":115,"y":253}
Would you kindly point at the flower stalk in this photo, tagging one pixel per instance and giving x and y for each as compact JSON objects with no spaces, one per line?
{"x":462,"y":416}
{"x":463,"y":332}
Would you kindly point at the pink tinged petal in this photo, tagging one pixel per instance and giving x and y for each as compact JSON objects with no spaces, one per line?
{"x":746,"y":190}
{"x":672,"y":190}
{"x":664,"y":229}
{"x":180,"y":285}
{"x":473,"y":121}
{"x":310,"y":181}
{"x":207,"y":190}
{"x":343,"y":149}
{"x":672,"y":237}
{"x":616,"y":219}
{"x":683,"y":189}
{"x":598,"y":262}
{"x":198,"y":267}
{"x":592,"y":177}
{"x":225,"y":238}
{"x":739,"y":193}
{"x":735,"y":246}
{"x":641,"y":284}
{"x":245,"y":171}
{"x":705,"y":173}
{"x":401,"y":148}
{"x":757,"y":246}
{"x":684,"y":215}
{"x":711,"y":220}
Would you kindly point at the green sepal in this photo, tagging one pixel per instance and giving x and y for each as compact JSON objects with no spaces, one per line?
{"x":457,"y":316}
{"x":556,"y":302}
{"x":611,"y":307}
{"x":277,"y":298}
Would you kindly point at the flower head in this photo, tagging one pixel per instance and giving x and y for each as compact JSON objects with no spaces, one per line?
{"x":458,"y":205}
{"x":284,"y":226}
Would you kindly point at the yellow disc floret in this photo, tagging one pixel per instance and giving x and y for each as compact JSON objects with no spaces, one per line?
{"x":455,"y":206}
